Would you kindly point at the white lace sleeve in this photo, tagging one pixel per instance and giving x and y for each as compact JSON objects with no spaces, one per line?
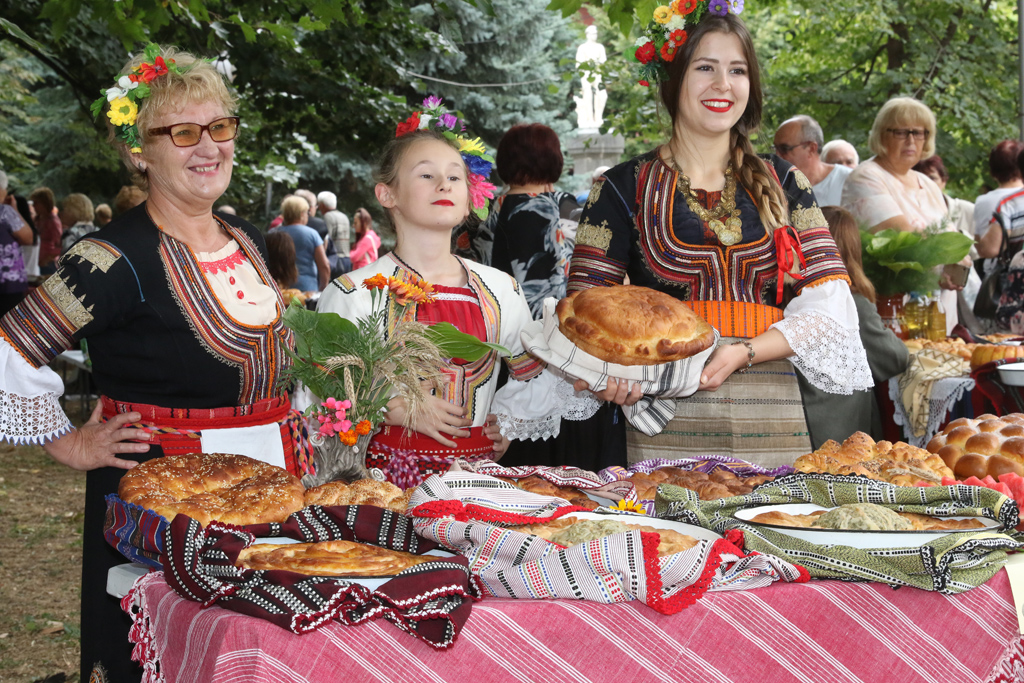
{"x":30,"y":409}
{"x":822,"y":328}
{"x":535,"y":409}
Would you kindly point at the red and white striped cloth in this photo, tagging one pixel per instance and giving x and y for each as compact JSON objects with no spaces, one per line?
{"x":817,"y":632}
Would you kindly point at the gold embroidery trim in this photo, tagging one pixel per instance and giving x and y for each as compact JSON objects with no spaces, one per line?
{"x":98,"y":255}
{"x":801,"y":180}
{"x":597,"y":236}
{"x":808,"y":217}
{"x":595,"y":194}
{"x":70,"y":305}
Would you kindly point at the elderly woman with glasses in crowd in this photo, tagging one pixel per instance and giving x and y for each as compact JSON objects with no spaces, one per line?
{"x":182,"y":318}
{"x":885,"y":192}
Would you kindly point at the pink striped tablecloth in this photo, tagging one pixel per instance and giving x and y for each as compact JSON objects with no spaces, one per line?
{"x":819,"y":632}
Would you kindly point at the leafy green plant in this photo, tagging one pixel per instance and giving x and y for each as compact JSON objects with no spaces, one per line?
{"x":897,"y":262}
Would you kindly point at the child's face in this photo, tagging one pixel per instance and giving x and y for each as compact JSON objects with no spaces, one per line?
{"x":430,"y":189}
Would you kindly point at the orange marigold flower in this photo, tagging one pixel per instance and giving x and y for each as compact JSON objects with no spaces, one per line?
{"x":348,"y":438}
{"x":363,"y":428}
{"x":378,"y":281}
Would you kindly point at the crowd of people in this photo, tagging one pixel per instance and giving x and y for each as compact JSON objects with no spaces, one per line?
{"x":181,"y":305}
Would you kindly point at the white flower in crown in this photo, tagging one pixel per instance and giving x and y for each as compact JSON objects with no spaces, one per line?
{"x":425,"y":120}
{"x":124,"y":84}
{"x":641,"y":41}
{"x":675,"y":23}
{"x":127,"y":83}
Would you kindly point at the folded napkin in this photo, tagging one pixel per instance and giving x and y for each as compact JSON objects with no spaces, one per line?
{"x":430,"y":601}
{"x":915,"y":384}
{"x":660,"y":383}
{"x":954,"y":563}
{"x":470,"y":513}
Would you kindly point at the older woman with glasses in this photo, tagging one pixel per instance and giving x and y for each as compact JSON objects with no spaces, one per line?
{"x":181,"y":314}
{"x":885,"y":192}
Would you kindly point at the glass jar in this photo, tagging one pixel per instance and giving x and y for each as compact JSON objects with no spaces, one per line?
{"x":915,"y":314}
{"x":936,"y":319}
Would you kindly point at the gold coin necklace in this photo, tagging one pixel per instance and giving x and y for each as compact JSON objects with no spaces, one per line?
{"x":730,"y":230}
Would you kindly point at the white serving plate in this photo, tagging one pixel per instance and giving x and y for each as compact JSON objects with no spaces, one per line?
{"x":1012,"y":374}
{"x":700,"y":533}
{"x":373,"y":583}
{"x":852,"y":538}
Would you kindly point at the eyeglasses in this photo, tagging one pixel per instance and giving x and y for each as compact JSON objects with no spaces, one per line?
{"x":783,"y":150}
{"x":189,"y":134}
{"x":904,"y":133}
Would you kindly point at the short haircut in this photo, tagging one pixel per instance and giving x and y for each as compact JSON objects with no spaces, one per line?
{"x":810,"y":131}
{"x":293,"y":208}
{"x":832,"y":144}
{"x":933,"y":163}
{"x":42,"y":198}
{"x":198,"y":82}
{"x":529,"y":153}
{"x":128,"y":196}
{"x":103,"y":213}
{"x":1002,"y":161}
{"x":308,"y":196}
{"x":902,"y":111}
{"x":328,"y":199}
{"x":76,"y":208}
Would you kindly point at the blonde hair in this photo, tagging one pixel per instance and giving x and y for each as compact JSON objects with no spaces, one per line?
{"x":846,"y":234}
{"x":902,"y":111}
{"x":199,"y":81}
{"x":293,"y":208}
{"x":77,"y":208}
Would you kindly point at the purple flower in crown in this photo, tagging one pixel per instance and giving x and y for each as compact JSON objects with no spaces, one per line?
{"x":431,"y":102}
{"x":447,"y":121}
{"x":736,"y":6}
{"x":719,"y":7}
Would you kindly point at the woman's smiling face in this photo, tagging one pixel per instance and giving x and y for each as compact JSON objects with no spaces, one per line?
{"x":716,"y":87}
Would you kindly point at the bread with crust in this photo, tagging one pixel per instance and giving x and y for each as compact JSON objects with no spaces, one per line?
{"x":207,"y":487}
{"x":330,"y":558}
{"x":630,"y":325}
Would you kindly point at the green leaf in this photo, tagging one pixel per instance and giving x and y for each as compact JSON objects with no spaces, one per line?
{"x":456,"y":344}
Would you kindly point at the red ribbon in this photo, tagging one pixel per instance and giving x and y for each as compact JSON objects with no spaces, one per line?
{"x":786,"y":240}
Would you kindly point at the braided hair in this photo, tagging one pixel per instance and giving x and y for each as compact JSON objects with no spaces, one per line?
{"x":753,"y":173}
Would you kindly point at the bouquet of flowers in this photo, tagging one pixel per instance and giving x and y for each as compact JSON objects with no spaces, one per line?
{"x":356,"y":367}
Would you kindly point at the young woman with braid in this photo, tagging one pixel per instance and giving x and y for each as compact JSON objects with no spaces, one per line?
{"x":740,"y":238}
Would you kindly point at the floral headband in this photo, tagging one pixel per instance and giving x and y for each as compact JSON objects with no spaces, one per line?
{"x":666,"y":33}
{"x":124,"y":97}
{"x":474,"y":154}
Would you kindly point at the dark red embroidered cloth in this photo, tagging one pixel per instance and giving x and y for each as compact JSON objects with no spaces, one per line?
{"x":430,"y":601}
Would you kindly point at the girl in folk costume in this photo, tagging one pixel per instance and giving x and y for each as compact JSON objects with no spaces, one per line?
{"x":428,"y":187}
{"x":705,"y":219}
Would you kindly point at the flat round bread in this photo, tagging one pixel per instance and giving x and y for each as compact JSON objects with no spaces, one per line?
{"x":232,"y":489}
{"x":631,"y":325}
{"x":330,"y":558}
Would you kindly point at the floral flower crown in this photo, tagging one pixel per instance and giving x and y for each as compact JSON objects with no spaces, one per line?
{"x":474,"y":154}
{"x":666,"y":33}
{"x":124,"y":98}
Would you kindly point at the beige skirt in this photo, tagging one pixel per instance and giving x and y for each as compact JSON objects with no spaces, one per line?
{"x":757,"y":416}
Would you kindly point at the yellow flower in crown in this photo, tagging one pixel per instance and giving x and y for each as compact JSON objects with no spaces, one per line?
{"x":122,"y":112}
{"x":629,"y":506}
{"x":662,"y":14}
{"x":475,"y":145}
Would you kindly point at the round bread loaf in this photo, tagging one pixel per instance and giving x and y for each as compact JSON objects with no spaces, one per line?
{"x":631,"y":325}
{"x":210,"y":487}
{"x":983,"y":446}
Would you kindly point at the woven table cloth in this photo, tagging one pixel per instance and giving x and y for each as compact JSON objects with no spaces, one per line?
{"x":817,"y":632}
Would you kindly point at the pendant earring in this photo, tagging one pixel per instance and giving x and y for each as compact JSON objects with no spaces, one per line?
{"x":142,"y":168}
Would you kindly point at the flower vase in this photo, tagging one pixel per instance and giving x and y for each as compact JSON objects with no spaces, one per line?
{"x":335,"y":460}
{"x":890,"y":309}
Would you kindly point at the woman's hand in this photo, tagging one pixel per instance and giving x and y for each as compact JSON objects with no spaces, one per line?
{"x":437,"y":417}
{"x":94,"y":444}
{"x":723,"y":362}
{"x":493,"y":432}
{"x":616,"y":391}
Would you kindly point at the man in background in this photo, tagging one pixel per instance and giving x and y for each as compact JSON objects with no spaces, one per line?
{"x":799,"y":141}
{"x":840,"y":152}
{"x":338,"y":231}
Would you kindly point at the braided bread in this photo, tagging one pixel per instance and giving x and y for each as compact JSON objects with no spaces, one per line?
{"x":897,"y":463}
{"x":986,"y":445}
{"x":210,"y":487}
{"x":382,"y":494}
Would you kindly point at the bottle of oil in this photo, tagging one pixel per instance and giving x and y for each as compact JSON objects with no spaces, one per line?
{"x":936,"y":319}
{"x":915,"y":314}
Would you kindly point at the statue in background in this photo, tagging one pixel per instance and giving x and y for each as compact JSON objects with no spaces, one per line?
{"x":590,"y":106}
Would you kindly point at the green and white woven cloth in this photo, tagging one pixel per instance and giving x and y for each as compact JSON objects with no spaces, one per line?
{"x":954,"y":563}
